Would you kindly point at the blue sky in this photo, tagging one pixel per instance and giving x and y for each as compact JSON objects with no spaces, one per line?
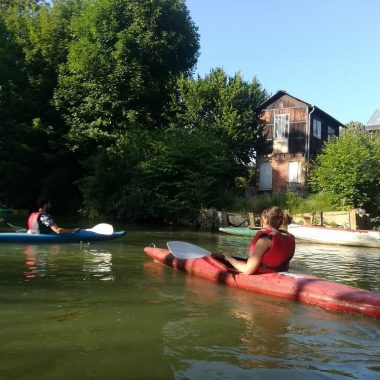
{"x":325,"y":52}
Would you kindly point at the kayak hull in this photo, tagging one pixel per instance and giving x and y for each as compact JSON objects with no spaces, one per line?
{"x":72,"y":237}
{"x":239,"y":231}
{"x":296,"y":286}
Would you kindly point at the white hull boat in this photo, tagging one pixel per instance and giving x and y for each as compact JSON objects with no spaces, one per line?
{"x":340,"y":236}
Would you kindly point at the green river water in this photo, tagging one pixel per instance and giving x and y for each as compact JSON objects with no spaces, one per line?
{"x":107,"y":311}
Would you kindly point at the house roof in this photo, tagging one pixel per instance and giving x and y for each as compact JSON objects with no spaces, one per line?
{"x":374,"y":121}
{"x":281,"y":93}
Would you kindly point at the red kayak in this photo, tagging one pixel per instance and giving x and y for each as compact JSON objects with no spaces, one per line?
{"x":301,"y":287}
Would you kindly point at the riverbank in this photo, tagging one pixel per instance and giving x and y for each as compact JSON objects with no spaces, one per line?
{"x":212,"y":219}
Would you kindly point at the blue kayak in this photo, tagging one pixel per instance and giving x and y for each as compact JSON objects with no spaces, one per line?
{"x":6,"y":210}
{"x":71,"y":237}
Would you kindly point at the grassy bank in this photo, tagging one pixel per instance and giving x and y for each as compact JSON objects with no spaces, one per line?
{"x":289,"y":201}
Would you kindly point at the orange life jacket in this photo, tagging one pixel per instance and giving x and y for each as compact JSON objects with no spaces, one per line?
{"x":281,"y":251}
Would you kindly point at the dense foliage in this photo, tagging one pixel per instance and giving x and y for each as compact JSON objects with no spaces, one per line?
{"x":99,"y":111}
{"x":223,"y":106}
{"x":96,"y":100}
{"x":122,"y":67}
{"x":348,"y":169}
{"x":33,"y":157}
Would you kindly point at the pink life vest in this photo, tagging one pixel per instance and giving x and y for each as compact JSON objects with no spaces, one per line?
{"x":33,"y":227}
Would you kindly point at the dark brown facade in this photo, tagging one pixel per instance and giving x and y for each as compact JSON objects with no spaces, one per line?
{"x":297,"y":131}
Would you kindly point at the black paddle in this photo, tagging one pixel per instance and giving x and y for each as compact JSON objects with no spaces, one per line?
{"x":16,"y":228}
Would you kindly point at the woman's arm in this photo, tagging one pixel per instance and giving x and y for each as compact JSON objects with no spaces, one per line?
{"x":253,"y":262}
{"x":60,"y":230}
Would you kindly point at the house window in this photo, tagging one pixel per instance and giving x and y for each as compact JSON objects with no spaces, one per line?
{"x":265,"y":179}
{"x":317,"y":128}
{"x":281,"y":126}
{"x":330,"y":132}
{"x":294,"y":172}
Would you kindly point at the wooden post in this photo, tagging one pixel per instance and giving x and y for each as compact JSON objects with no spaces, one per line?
{"x":352,"y":219}
{"x":251,"y":218}
{"x":307,"y":220}
{"x":224,"y":219}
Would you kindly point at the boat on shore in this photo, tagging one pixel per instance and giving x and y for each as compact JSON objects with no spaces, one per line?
{"x":338,"y":236}
{"x":295,"y":286}
{"x":240,"y":231}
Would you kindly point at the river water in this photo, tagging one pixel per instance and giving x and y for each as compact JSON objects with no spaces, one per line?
{"x":107,"y":311}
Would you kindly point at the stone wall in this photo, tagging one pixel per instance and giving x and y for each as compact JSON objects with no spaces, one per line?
{"x":353,"y":219}
{"x":212,"y":219}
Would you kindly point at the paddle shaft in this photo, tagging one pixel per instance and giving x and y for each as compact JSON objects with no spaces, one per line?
{"x":16,"y":228}
{"x":102,"y":228}
{"x":188,"y":251}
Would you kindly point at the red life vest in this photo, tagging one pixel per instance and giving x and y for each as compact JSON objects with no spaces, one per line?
{"x":33,"y":227}
{"x":281,"y":251}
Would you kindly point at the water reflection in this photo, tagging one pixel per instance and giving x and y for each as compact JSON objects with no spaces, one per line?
{"x":228,"y":333}
{"x":355,"y":266}
{"x":40,"y":262}
{"x":53,"y":260}
{"x":98,"y":263}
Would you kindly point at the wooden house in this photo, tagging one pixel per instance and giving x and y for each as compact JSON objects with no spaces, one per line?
{"x":296,"y":132}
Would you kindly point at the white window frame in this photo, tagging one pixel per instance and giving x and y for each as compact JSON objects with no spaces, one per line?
{"x":281,"y":126}
{"x":317,"y":128}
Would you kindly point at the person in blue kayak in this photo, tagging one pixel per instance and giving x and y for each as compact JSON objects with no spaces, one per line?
{"x":271,"y":248}
{"x":41,"y":222}
{"x":3,"y":202}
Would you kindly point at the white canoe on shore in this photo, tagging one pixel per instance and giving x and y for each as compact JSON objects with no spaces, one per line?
{"x":340,"y":236}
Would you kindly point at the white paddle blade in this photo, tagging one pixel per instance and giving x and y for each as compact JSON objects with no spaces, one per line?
{"x":188,"y":251}
{"x":102,"y":228}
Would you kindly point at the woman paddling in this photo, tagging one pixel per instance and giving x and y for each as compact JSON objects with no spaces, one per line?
{"x":271,"y":249}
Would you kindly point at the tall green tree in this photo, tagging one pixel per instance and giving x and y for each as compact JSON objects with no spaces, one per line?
{"x":34,"y":39}
{"x":349,"y":169}
{"x":224,"y":107}
{"x":16,"y":103}
{"x":121,"y":68}
{"x":42,"y":33}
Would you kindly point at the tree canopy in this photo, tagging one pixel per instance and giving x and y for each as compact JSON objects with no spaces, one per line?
{"x":223,"y":106}
{"x":349,"y":168}
{"x":203,"y":152}
{"x":122,"y":66}
{"x":34,"y":40}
